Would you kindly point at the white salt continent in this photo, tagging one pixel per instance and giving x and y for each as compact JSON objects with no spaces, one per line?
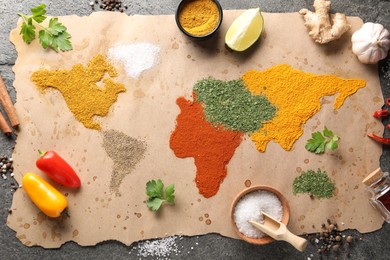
{"x":250,"y":207}
{"x":136,"y":57}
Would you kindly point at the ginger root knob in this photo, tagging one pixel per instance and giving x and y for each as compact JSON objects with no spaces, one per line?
{"x":323,"y":26}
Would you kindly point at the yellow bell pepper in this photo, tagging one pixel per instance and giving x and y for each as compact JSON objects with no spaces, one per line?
{"x":49,"y":200}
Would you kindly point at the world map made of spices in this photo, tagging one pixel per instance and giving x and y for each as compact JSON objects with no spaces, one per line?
{"x":210,"y":127}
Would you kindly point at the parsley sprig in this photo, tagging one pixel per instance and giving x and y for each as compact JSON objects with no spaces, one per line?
{"x":157,"y":196}
{"x":55,"y":35}
{"x":319,"y":142}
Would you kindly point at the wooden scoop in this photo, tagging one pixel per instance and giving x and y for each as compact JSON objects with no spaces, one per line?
{"x":279,"y":231}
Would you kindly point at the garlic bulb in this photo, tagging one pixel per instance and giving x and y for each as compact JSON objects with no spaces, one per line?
{"x":371,"y":43}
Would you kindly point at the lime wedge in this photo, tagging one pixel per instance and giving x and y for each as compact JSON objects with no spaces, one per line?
{"x":245,"y":30}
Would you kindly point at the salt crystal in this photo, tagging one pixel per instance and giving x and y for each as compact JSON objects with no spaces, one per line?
{"x":158,"y":248}
{"x":250,"y":207}
{"x":136,"y":57}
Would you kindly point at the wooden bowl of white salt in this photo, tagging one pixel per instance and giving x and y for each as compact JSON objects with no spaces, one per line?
{"x":249,"y":204}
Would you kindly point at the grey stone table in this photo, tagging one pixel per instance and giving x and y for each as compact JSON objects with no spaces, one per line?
{"x":211,"y":246}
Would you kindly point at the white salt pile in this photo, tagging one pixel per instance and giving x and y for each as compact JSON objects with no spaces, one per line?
{"x":250,"y":207}
{"x":136,"y":57}
{"x":159,"y":248}
{"x":162,"y":248}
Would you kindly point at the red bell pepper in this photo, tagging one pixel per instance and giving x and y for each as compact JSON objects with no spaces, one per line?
{"x":379,"y":139}
{"x":58,"y":169}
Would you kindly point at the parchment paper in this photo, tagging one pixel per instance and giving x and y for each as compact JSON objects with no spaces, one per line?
{"x":147,"y":111}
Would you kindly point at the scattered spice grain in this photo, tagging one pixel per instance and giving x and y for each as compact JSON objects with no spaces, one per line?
{"x":108,"y":5}
{"x":331,"y":242}
{"x":6,"y":171}
{"x":126,"y":152}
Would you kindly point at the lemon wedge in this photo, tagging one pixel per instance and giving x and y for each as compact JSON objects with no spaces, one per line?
{"x":245,"y":30}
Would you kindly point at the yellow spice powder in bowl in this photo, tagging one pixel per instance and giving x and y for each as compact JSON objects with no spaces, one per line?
{"x":199,"y":19}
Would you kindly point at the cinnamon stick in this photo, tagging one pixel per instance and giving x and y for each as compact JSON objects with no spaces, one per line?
{"x":4,"y":126}
{"x":6,"y":102}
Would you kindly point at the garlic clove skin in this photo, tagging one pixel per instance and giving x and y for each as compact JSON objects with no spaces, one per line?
{"x":371,"y":43}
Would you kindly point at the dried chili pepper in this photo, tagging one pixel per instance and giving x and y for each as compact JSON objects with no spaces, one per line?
{"x":381,"y":113}
{"x":49,"y":200}
{"x":379,"y":139}
{"x":388,"y":101}
{"x":58,"y":169}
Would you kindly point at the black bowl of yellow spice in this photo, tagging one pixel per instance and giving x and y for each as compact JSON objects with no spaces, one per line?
{"x":199,"y":19}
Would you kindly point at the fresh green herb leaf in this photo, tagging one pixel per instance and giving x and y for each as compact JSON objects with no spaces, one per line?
{"x":154,"y":188}
{"x":169,"y":192}
{"x":54,"y":36}
{"x":333,"y":143}
{"x":55,"y":27}
{"x":327,"y":132}
{"x":62,"y":41}
{"x":154,"y":203}
{"x":38,"y":13}
{"x":45,"y":39}
{"x":316,"y":143}
{"x":157,"y":196}
{"x":319,"y":141}
{"x":28,"y":32}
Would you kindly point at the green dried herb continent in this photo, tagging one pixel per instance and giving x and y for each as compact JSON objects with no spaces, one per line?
{"x":317,"y":184}
{"x":230,"y":104}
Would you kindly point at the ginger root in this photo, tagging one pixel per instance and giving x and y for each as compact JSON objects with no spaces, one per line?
{"x":324,"y":27}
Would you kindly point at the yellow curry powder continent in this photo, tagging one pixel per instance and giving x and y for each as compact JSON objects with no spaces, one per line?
{"x":296,"y":95}
{"x":82,"y":95}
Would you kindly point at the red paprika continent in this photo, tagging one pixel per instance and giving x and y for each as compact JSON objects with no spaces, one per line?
{"x":212,"y":147}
